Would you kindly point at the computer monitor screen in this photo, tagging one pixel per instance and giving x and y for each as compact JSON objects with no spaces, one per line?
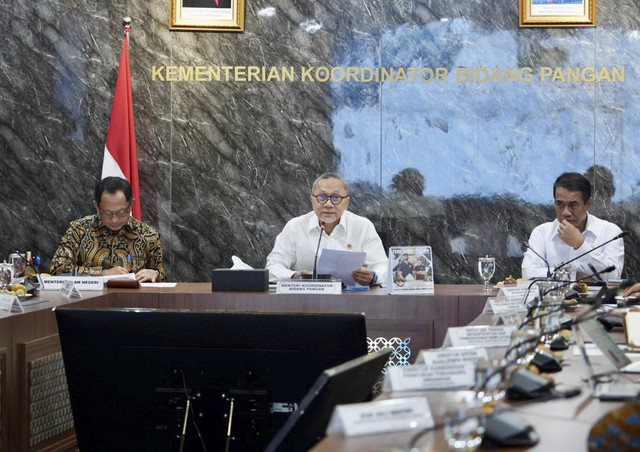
{"x":350,"y":382}
{"x":171,"y":380}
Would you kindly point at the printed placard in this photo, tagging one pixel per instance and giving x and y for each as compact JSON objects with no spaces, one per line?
{"x":410,"y":270}
{"x":381,"y":417}
{"x":502,"y":305}
{"x":69,"y":290}
{"x":10,"y":303}
{"x":310,"y":287}
{"x":420,"y":377}
{"x":81,"y":282}
{"x":518,"y":293}
{"x":452,"y":356}
{"x":479,"y":336}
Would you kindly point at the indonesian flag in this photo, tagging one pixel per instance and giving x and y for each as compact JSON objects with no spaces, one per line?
{"x":120,"y":151}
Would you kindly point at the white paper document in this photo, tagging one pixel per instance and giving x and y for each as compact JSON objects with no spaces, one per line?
{"x":341,"y":264}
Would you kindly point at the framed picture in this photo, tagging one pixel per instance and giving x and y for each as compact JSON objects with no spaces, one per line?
{"x":557,"y":13}
{"x":207,"y":15}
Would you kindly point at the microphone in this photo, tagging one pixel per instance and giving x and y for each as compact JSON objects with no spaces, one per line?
{"x":315,"y":260}
{"x":537,"y":254}
{"x":619,"y":236}
{"x":593,"y":269}
{"x":535,"y":306}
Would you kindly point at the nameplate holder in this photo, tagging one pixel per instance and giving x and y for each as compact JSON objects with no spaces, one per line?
{"x":69,"y":290}
{"x":421,"y":377}
{"x":309,"y":287}
{"x":478,"y":336}
{"x":518,"y":292}
{"x":81,"y":282}
{"x":502,"y":305}
{"x":10,"y":303}
{"x":382,"y":416}
{"x":457,"y":355}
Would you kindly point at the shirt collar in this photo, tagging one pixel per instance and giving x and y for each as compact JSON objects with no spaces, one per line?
{"x":314,"y":222}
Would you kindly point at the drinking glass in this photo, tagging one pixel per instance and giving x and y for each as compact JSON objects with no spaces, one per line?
{"x":523,"y":345}
{"x":490,"y":381}
{"x":486,"y":268}
{"x":464,"y":424}
{"x":563,"y":276}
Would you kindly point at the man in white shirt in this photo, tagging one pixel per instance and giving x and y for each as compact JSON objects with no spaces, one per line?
{"x":573,"y":233}
{"x":295,"y":248}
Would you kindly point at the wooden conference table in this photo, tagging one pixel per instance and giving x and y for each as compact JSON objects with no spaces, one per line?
{"x":34,"y":407}
{"x":562,"y":424}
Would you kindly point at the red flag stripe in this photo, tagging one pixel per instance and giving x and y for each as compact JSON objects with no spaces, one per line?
{"x":121,"y":152}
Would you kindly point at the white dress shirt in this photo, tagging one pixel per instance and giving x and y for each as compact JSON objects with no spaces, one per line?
{"x":295,"y":246}
{"x":546,"y":242}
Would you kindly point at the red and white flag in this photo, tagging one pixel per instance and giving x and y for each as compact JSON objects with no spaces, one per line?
{"x":120,"y":151}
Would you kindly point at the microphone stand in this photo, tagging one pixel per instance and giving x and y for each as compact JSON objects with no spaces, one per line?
{"x":619,"y":236}
{"x":564,"y":284}
{"x":538,"y":254}
{"x":314,"y":275}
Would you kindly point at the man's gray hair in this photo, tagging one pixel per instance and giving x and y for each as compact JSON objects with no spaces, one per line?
{"x":330,"y":176}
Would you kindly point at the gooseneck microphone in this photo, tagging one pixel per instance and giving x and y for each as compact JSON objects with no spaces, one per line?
{"x":619,"y":236}
{"x":537,"y":305}
{"x":538,"y":254}
{"x":314,"y":275}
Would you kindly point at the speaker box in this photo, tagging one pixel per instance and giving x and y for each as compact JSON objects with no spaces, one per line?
{"x":225,"y":280}
{"x":506,"y":430}
{"x":527,"y":385}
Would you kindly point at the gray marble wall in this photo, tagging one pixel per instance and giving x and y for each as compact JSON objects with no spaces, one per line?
{"x":224,"y":164}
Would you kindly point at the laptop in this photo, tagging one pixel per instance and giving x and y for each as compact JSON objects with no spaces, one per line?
{"x":604,"y":390}
{"x":350,"y":382}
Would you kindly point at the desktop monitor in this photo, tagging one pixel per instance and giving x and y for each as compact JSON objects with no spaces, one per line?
{"x":350,"y":382}
{"x":171,"y":380}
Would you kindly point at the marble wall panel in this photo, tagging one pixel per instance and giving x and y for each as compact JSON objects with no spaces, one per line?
{"x":224,"y":164}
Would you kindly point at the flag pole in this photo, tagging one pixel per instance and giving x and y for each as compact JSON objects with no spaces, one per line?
{"x":121,"y":152}
{"x":126,"y":25}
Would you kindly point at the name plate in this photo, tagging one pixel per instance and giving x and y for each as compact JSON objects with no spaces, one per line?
{"x":381,"y":417}
{"x":518,"y":292}
{"x":80,"y":282}
{"x":479,"y":336}
{"x":452,"y":356}
{"x":501,"y":305}
{"x":424,"y":376}
{"x":10,"y":303}
{"x":307,"y":287}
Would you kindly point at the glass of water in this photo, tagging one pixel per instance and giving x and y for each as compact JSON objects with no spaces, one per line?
{"x":464,"y":423}
{"x":486,"y":269}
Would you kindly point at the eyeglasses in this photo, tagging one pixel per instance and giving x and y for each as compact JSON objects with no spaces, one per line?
{"x":335,"y":199}
{"x":119,"y":213}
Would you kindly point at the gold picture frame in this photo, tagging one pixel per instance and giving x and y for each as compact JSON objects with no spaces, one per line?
{"x":207,"y":15}
{"x":557,"y":13}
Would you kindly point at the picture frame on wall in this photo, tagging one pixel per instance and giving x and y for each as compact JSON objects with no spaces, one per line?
{"x":207,"y":15}
{"x":557,"y":13}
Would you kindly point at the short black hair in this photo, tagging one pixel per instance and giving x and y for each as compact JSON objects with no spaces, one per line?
{"x":573,"y":182}
{"x":112,"y":184}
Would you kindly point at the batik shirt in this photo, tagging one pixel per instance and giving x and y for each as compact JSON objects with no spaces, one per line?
{"x":89,"y":246}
